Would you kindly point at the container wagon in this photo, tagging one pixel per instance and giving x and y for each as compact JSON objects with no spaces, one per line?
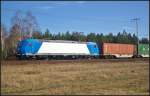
{"x":34,"y":48}
{"x":143,"y":50}
{"x":117,"y":50}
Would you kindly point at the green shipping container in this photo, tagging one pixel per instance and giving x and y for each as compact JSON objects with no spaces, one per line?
{"x":143,"y":50}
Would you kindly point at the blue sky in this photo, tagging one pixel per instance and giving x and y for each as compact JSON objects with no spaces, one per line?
{"x":84,"y":16}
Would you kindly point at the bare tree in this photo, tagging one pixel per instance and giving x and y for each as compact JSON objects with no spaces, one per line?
{"x":14,"y":37}
{"x":30,"y":24}
{"x":4,"y":35}
{"x":23,"y":26}
{"x":27,"y":24}
{"x":17,"y":20}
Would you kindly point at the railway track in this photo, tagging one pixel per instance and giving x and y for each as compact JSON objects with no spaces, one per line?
{"x":20,"y":62}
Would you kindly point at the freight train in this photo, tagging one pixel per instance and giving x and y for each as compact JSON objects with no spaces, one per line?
{"x":52,"y":49}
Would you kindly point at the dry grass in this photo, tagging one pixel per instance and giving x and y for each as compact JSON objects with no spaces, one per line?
{"x":124,"y":78}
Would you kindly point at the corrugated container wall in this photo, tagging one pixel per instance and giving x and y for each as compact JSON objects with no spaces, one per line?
{"x":121,"y":49}
{"x":143,"y":49}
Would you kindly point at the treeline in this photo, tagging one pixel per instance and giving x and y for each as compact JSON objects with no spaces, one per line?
{"x":122,"y":37}
{"x":24,"y":25}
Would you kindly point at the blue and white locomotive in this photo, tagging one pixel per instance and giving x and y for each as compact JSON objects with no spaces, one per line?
{"x":35,"y":48}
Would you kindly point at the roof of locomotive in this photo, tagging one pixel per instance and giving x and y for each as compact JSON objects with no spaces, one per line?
{"x":60,"y":41}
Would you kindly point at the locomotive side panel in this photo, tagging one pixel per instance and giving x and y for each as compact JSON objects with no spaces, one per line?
{"x":50,"y":48}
